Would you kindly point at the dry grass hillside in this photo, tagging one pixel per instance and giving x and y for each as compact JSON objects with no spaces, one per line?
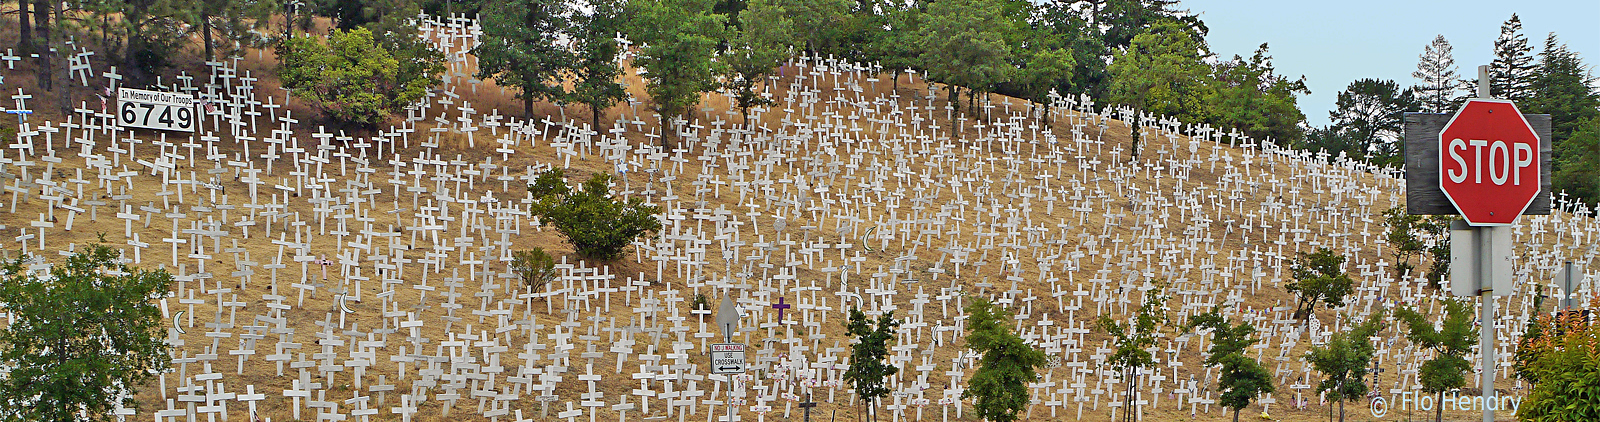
{"x":328,"y":276}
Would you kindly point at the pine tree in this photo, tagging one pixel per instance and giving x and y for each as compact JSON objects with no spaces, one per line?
{"x":1562,"y":88}
{"x":1007,"y":365}
{"x":597,"y":72}
{"x":1511,"y":72}
{"x":1440,"y":87}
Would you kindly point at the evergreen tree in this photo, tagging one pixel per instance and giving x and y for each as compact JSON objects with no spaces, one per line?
{"x":1134,"y":338}
{"x":1006,"y":366}
{"x":596,"y":72}
{"x":1562,"y":88}
{"x":1511,"y":72}
{"x":520,"y":48}
{"x":1242,"y":377}
{"x":1319,"y":277}
{"x":1344,"y":362}
{"x":679,"y":39}
{"x":1440,"y":88}
{"x":1123,"y":20}
{"x":1161,"y":72}
{"x":1579,"y":164}
{"x":867,"y":367}
{"x":1372,"y":111}
{"x":759,"y":45}
{"x":1450,"y":338}
{"x":80,"y":335}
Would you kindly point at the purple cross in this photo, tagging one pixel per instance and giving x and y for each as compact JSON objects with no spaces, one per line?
{"x":780,"y":306}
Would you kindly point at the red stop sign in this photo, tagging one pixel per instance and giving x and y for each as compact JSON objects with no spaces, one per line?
{"x":1489,"y":162}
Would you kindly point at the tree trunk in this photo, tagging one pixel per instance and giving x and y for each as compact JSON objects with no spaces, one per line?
{"x":896,"y":79}
{"x":205,"y":35}
{"x":595,"y":112}
{"x":527,"y":104}
{"x":1235,"y":415}
{"x":1438,"y":411}
{"x":41,"y":23}
{"x":25,"y":37}
{"x":1341,"y":410}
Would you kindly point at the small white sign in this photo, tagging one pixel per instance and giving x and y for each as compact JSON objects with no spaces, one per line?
{"x":156,"y":110}
{"x":727,"y":358}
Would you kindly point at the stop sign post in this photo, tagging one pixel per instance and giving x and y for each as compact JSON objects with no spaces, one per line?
{"x":1489,"y":162}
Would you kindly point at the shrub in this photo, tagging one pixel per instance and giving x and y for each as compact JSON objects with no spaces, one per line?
{"x":352,"y":78}
{"x":1562,"y":360}
{"x":534,"y":266}
{"x":594,"y":223}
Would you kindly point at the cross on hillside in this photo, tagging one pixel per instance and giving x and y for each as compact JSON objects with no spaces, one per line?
{"x":780,"y":306}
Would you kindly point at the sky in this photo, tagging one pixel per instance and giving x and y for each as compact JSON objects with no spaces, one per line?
{"x":1334,"y":43}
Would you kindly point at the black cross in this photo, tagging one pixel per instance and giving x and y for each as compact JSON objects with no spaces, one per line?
{"x":807,"y":405}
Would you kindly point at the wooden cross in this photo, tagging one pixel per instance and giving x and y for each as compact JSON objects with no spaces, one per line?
{"x":780,"y":306}
{"x":806,"y":406}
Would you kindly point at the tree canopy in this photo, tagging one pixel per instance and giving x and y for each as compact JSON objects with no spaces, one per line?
{"x":1006,"y":364}
{"x":82,"y":335}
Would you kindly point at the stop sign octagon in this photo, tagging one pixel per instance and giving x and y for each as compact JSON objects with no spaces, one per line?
{"x":1489,"y":162}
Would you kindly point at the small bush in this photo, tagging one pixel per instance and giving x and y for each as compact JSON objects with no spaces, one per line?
{"x":534,"y":266}
{"x":594,"y":223}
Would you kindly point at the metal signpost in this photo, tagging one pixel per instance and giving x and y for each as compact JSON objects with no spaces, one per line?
{"x":727,"y":357}
{"x":1490,"y":164}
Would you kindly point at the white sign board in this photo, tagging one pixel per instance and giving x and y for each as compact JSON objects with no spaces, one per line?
{"x":156,"y":110}
{"x":1473,"y":249}
{"x":727,"y":358}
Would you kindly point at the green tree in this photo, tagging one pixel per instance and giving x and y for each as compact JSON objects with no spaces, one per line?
{"x":894,"y":42}
{"x":1344,"y":362}
{"x":1007,"y":365}
{"x":1319,"y":277}
{"x":1134,"y":338}
{"x":867,"y":367}
{"x":1083,"y":40}
{"x":818,"y":24}
{"x":81,"y":335}
{"x":1511,"y":72}
{"x":1372,"y":112}
{"x":758,"y":47}
{"x":1161,"y":72}
{"x":594,"y":223}
{"x":1563,"y":89}
{"x":679,"y":39}
{"x":1242,"y":377}
{"x":1579,"y":168}
{"x":964,"y":46}
{"x":351,"y":78}
{"x":1450,"y":341}
{"x":1402,"y":238}
{"x":521,"y":48}
{"x":1124,"y":20}
{"x":1252,"y":98}
{"x":596,"y":72}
